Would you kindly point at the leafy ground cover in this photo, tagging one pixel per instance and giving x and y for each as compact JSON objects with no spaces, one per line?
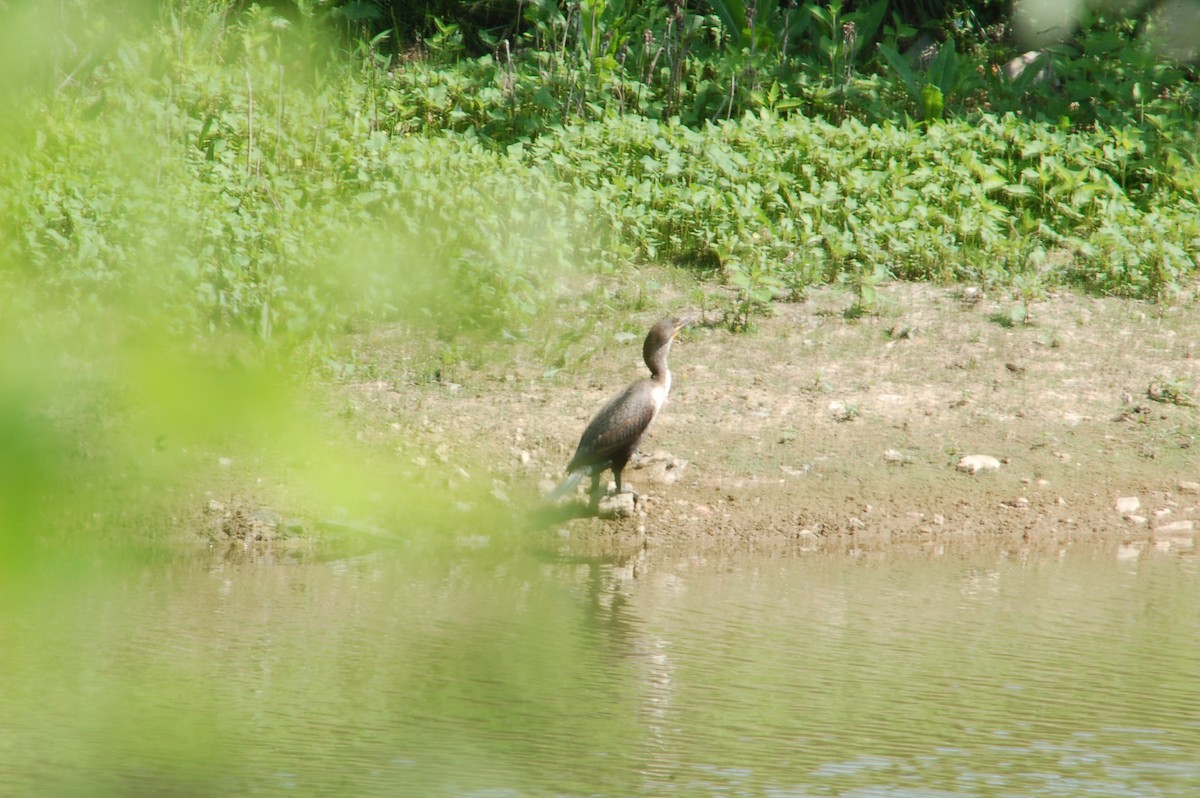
{"x":239,"y":171}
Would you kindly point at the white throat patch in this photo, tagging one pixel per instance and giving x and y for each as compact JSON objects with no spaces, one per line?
{"x":659,"y":393}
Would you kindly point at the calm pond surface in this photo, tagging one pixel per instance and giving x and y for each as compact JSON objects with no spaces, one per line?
{"x":1068,"y":673}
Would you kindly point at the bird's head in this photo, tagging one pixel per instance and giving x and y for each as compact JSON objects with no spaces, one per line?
{"x":662,"y":334}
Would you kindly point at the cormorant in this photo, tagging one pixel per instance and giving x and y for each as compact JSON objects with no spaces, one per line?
{"x":613,"y":435}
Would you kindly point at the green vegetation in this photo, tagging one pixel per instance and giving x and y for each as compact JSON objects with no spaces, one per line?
{"x":244,"y":171}
{"x":198,"y":193}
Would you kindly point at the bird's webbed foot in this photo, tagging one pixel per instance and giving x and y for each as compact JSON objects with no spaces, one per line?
{"x":625,"y":489}
{"x":610,"y":490}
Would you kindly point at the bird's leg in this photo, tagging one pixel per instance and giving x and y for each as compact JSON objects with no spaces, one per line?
{"x":594,"y":493}
{"x":620,"y":489}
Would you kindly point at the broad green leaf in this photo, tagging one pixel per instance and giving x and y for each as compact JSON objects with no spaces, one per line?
{"x":732,"y":14}
{"x":900,"y":66}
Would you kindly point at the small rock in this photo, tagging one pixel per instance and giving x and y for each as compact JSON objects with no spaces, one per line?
{"x":1128,"y":504}
{"x":1188,"y":487}
{"x":1162,"y":511}
{"x":1177,"y":526}
{"x":499,"y":495}
{"x":843,"y":411}
{"x":974,"y":463}
{"x":268,"y":518}
{"x":1129,"y":551}
{"x":894,"y":456}
{"x":1136,"y":520}
{"x":224,"y":462}
{"x":523,"y":456}
{"x":661,"y":467}
{"x":617,"y":505}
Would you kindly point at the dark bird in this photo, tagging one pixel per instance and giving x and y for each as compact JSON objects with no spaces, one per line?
{"x":613,"y":436}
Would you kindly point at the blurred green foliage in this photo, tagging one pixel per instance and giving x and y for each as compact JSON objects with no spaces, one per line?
{"x":193,"y":210}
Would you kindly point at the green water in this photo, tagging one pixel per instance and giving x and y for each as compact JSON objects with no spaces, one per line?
{"x":1075,"y":673}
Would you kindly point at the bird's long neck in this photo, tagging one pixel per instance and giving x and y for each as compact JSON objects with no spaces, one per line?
{"x":656,"y":361}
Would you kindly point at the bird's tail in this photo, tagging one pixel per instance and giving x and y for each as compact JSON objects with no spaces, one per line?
{"x":566,"y":486}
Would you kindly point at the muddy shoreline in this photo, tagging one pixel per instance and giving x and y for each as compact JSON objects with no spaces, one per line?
{"x":818,"y":429}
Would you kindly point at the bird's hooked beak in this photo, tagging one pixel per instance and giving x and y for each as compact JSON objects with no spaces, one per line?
{"x":684,"y":321}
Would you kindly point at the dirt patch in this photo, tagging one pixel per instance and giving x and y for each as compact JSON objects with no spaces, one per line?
{"x":819,"y":429}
